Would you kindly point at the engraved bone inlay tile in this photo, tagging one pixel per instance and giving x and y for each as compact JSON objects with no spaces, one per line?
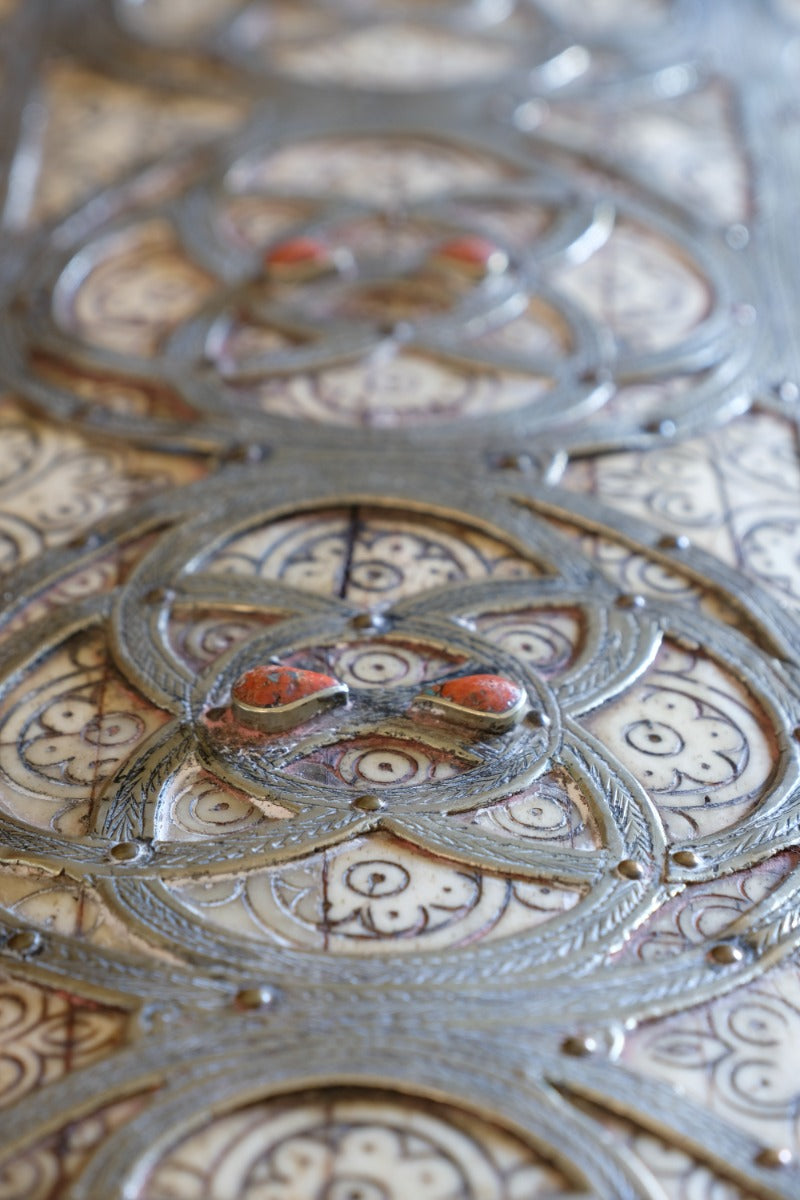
{"x":63,"y":734}
{"x":737,"y":1055}
{"x":399,"y":658}
{"x":551,"y":811}
{"x":380,"y":662}
{"x":45,"y":1034}
{"x":368,"y":168}
{"x":656,"y":298}
{"x":380,"y":1145}
{"x":547,"y":639}
{"x":378,"y":761}
{"x":418,"y":58}
{"x":394,"y":390}
{"x":135,"y":295}
{"x":98,"y":128}
{"x":377,"y":895}
{"x":694,"y":738}
{"x":367,"y":557}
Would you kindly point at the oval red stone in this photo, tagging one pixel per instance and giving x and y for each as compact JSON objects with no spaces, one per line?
{"x":276,"y":686}
{"x":474,"y":253}
{"x":299,"y":252}
{"x":493,"y":694}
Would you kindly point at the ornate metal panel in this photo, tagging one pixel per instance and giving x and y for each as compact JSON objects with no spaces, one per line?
{"x":399,"y":658}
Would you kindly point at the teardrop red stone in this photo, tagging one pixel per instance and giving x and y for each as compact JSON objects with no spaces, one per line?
{"x":298,"y":252}
{"x":474,"y":253}
{"x":274,"y":686}
{"x":481,"y":693}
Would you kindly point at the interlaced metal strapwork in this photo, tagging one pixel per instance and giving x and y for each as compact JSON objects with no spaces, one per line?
{"x":399,"y":676}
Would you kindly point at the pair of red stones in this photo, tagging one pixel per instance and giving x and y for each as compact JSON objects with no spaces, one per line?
{"x":274,"y":698}
{"x":302,"y":257}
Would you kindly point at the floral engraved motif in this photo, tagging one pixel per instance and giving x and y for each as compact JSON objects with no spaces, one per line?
{"x":44,"y":1034}
{"x":68,"y":743}
{"x":399,"y":658}
{"x":374,"y":1148}
{"x":374,"y":893}
{"x":745,"y":1044}
{"x":370,"y":558}
{"x":696,"y":742}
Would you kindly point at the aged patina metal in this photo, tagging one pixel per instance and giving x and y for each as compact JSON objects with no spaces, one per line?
{"x":560,"y":724}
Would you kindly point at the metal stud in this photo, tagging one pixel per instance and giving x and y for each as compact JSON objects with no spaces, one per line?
{"x":369,"y":620}
{"x":725,"y":954}
{"x":579,"y":1046}
{"x":631,"y":600}
{"x":516,"y":462}
{"x":258,"y":996}
{"x":124,"y":852}
{"x":672,"y":541}
{"x":368,"y":803}
{"x":664,"y":428}
{"x":25,"y":942}
{"x":774,"y":1156}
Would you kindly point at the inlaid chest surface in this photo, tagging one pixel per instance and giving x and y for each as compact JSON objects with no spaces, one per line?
{"x":400,"y":642}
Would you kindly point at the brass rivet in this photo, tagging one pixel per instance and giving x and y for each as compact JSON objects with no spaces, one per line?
{"x":25,"y":942}
{"x":516,"y":462}
{"x":725,"y":954}
{"x":368,"y":803}
{"x":686,"y":858}
{"x":157,"y":595}
{"x":631,"y":600}
{"x":368,"y":620}
{"x":125,"y":851}
{"x":665,"y":429}
{"x":629,"y":868}
{"x":539,"y":720}
{"x":579,"y":1046}
{"x":254,"y":997}
{"x":674,"y":541}
{"x":89,"y":541}
{"x":774,"y":1156}
{"x":251,"y":453}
